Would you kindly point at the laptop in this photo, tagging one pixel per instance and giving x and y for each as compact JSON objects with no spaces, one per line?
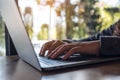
{"x":25,"y":49}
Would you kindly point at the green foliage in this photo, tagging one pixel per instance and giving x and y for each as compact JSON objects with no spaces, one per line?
{"x":109,"y":16}
{"x":91,"y":16}
{"x":91,"y":19}
{"x":2,"y":37}
{"x":87,"y":19}
{"x":43,"y":34}
{"x":29,"y":30}
{"x":2,"y":33}
{"x":1,"y":28}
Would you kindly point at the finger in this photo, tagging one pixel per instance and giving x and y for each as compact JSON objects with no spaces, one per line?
{"x":49,"y":56}
{"x":41,"y":50}
{"x":55,"y":45}
{"x":45,"y":47}
{"x":60,"y":50}
{"x":117,"y":30}
{"x":116,"y":33}
{"x":71,"y":51}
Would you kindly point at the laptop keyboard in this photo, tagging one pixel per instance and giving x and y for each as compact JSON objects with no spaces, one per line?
{"x":73,"y":58}
{"x":50,"y":61}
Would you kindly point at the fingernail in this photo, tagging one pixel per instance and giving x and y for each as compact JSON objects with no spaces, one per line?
{"x":52,"y":57}
{"x":64,"y":58}
{"x":48,"y":56}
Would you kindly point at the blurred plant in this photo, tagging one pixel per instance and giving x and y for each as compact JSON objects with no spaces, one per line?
{"x":29,"y":30}
{"x":2,"y":37}
{"x":1,"y":28}
{"x":43,"y":34}
{"x":109,"y":15}
{"x":28,"y":21}
{"x":88,"y":19}
{"x":38,"y":1}
{"x":83,"y":17}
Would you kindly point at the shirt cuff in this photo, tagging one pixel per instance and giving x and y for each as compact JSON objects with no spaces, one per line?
{"x":110,"y":46}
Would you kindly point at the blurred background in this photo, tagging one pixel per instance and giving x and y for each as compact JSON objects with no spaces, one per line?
{"x":64,"y":19}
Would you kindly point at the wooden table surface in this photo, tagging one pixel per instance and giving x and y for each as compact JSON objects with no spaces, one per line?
{"x":13,"y":68}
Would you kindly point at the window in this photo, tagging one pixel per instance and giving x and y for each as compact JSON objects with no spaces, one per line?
{"x":67,"y":19}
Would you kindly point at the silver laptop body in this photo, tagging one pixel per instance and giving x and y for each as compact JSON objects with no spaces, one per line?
{"x":23,"y":45}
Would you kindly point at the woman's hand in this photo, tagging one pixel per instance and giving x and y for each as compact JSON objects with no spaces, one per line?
{"x":91,"y":48}
{"x":50,"y":46}
{"x":56,"y":48}
{"x":116,"y":32}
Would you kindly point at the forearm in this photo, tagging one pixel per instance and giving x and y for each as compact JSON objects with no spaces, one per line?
{"x":109,"y":46}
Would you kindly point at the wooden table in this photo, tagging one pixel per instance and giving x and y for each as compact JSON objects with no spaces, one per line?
{"x":13,"y":68}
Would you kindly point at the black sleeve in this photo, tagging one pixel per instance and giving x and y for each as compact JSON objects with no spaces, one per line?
{"x":106,"y":32}
{"x":110,"y":46}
